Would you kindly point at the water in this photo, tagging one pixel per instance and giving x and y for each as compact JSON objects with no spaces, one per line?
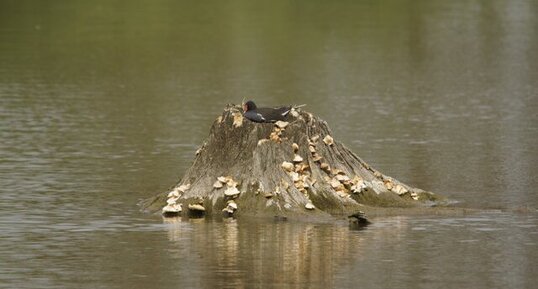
{"x":103,"y":103}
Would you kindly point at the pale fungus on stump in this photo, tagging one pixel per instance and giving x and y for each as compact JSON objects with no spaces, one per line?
{"x":290,"y":168}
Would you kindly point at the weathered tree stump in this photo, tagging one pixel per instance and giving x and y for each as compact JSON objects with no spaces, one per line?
{"x":292,"y":168}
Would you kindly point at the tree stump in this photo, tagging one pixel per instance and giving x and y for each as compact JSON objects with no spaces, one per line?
{"x":287,"y":169}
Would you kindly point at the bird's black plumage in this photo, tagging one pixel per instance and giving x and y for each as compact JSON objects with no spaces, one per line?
{"x":265,"y":114}
{"x":359,"y":219}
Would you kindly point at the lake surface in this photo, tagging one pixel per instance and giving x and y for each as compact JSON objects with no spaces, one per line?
{"x":103,"y":103}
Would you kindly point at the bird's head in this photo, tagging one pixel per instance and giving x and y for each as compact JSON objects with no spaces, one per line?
{"x":249,"y":105}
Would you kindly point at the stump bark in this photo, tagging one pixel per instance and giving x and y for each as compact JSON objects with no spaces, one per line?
{"x":292,"y":168}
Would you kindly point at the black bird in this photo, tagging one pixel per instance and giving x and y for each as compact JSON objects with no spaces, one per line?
{"x":265,"y":114}
{"x":358,"y":220}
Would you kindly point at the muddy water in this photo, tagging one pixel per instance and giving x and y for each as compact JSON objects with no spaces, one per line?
{"x":104,"y":103}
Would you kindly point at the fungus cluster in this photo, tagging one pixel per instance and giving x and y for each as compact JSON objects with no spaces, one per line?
{"x":276,"y":134}
{"x":172,"y":206}
{"x":336,"y":178}
{"x":397,"y":188}
{"x":231,"y":192}
{"x":300,"y":174}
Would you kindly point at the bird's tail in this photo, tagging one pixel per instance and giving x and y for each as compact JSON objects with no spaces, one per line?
{"x":292,"y":108}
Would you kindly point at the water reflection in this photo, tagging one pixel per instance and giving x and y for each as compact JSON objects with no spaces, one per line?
{"x":241,"y":254}
{"x":418,"y":251}
{"x":393,"y":252}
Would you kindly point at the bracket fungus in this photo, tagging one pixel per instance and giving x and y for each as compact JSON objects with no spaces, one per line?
{"x":303,"y":173}
{"x":287,"y":166}
{"x":297,"y":159}
{"x":281,"y":124}
{"x":295,"y":147}
{"x":196,"y":207}
{"x":309,"y":206}
{"x":231,"y":192}
{"x":172,"y":209}
{"x":328,"y":140}
{"x":230,"y":208}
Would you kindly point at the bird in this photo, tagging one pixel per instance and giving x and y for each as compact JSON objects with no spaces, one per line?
{"x":265,"y":114}
{"x":358,"y":220}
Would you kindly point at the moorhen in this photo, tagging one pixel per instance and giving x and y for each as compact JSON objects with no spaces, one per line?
{"x":265,"y":114}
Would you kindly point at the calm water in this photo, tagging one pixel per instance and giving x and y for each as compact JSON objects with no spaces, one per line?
{"x":103,"y":103}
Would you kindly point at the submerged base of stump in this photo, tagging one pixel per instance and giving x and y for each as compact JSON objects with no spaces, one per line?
{"x":290,"y":168}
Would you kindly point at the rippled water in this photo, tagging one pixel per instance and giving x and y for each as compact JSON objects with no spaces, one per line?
{"x":103,"y":103}
{"x":490,"y":250}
